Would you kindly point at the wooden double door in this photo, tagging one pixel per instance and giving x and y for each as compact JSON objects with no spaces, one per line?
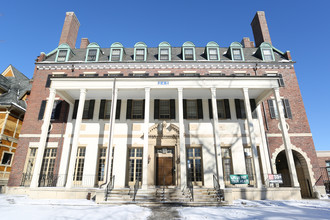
{"x":164,"y":171}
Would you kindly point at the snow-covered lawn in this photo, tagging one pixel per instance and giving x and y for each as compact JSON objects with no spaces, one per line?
{"x":21,"y":207}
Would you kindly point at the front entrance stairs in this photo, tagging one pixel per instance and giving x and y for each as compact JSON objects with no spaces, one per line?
{"x":165,"y":195}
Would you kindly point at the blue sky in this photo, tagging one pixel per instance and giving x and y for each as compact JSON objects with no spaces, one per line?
{"x":31,"y":27}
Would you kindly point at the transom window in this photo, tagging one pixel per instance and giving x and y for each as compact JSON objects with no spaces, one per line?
{"x":62,"y":55}
{"x":91,"y":55}
{"x":115,"y":55}
{"x":139,"y":54}
{"x":194,"y":164}
{"x":164,"y":54}
{"x":213,"y":54}
{"x":237,"y":55}
{"x":268,"y":56}
{"x":189,"y":54}
{"x":137,"y":109}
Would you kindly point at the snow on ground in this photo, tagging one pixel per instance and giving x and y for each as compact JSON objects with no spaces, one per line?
{"x":21,"y":207}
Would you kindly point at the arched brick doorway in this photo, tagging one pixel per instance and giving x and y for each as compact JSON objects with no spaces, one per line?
{"x":301,"y":169}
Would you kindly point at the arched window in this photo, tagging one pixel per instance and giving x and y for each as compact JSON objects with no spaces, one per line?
{"x":93,"y":51}
{"x":188,"y":51}
{"x":265,"y":51}
{"x":140,"y":51}
{"x":164,"y":51}
{"x":116,"y":52}
{"x":212,"y":51}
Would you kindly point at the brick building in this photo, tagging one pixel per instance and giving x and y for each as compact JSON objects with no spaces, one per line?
{"x":171,"y":117}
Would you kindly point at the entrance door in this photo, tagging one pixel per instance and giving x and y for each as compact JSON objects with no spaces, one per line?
{"x":164,"y":171}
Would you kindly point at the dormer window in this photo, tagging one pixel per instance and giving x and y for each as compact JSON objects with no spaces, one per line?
{"x":265,"y":51}
{"x":212,"y":51}
{"x":164,"y":51}
{"x":188,"y":51}
{"x":92,"y":55}
{"x":237,"y":54}
{"x":164,"y":54}
{"x":116,"y":52}
{"x":63,"y":52}
{"x":93,"y":51}
{"x":140,"y":51}
{"x":235,"y":51}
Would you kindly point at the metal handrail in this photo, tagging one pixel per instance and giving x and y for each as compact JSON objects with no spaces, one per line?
{"x":109,"y":187}
{"x":136,"y":187}
{"x":217,"y":188}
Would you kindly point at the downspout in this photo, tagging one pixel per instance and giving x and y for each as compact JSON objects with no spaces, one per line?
{"x":109,"y":147}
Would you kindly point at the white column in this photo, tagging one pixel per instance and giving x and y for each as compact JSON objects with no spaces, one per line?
{"x":43,"y":138}
{"x":286,"y":139}
{"x":183,"y":168}
{"x":252,"y":137}
{"x":218,"y":156}
{"x":111,"y":131}
{"x":76,"y":133}
{"x":146,"y":139}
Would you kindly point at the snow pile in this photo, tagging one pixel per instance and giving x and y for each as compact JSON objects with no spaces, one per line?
{"x":21,"y":207}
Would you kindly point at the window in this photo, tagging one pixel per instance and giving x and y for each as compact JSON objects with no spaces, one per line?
{"x":61,"y":57}
{"x":91,"y":55}
{"x":194,"y":164}
{"x":47,"y":177}
{"x":164,"y":54}
{"x":240,"y":108}
{"x":79,"y":165}
{"x":139,"y":54}
{"x":237,"y":54}
{"x":105,"y":109}
{"x":135,"y":165}
{"x":192,"y":109}
{"x":249,"y":164}
{"x":281,"y":80}
{"x":328,"y":167}
{"x":101,"y":165}
{"x":213,"y":54}
{"x":88,"y":109}
{"x":274,"y":114}
{"x":6,"y":158}
{"x":115,"y":55}
{"x":56,"y":111}
{"x":223,"y":109}
{"x":164,"y":109}
{"x":227,"y":164}
{"x":135,"y":109}
{"x":188,"y":54}
{"x":268,"y":55}
{"x":29,"y":167}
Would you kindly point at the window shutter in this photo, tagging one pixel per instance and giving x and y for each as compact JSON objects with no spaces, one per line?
{"x":253,"y":108}
{"x":118,"y":107}
{"x":227,"y":108}
{"x":185,"y":109}
{"x":91,"y":109}
{"x":210,"y":109}
{"x":143,"y":108}
{"x":238,"y":109}
{"x":271,"y":108}
{"x":172,"y":108}
{"x":287,"y":108}
{"x":156,"y":109}
{"x":102,"y":108}
{"x":281,"y":81}
{"x":129,"y":109}
{"x":75,"y":109}
{"x":48,"y":82}
{"x":58,"y":109}
{"x":42,"y":109}
{"x":200,"y":108}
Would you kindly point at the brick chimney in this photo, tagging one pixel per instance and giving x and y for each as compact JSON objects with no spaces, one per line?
{"x":260,"y":29}
{"x":84,"y":43}
{"x":70,"y":30}
{"x":247,"y":43}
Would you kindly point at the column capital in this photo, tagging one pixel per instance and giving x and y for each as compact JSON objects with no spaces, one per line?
{"x":180,"y":90}
{"x":83,"y":90}
{"x":52,"y":90}
{"x":147,"y":89}
{"x":276,"y":89}
{"x":245,"y":89}
{"x":213,"y":89}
